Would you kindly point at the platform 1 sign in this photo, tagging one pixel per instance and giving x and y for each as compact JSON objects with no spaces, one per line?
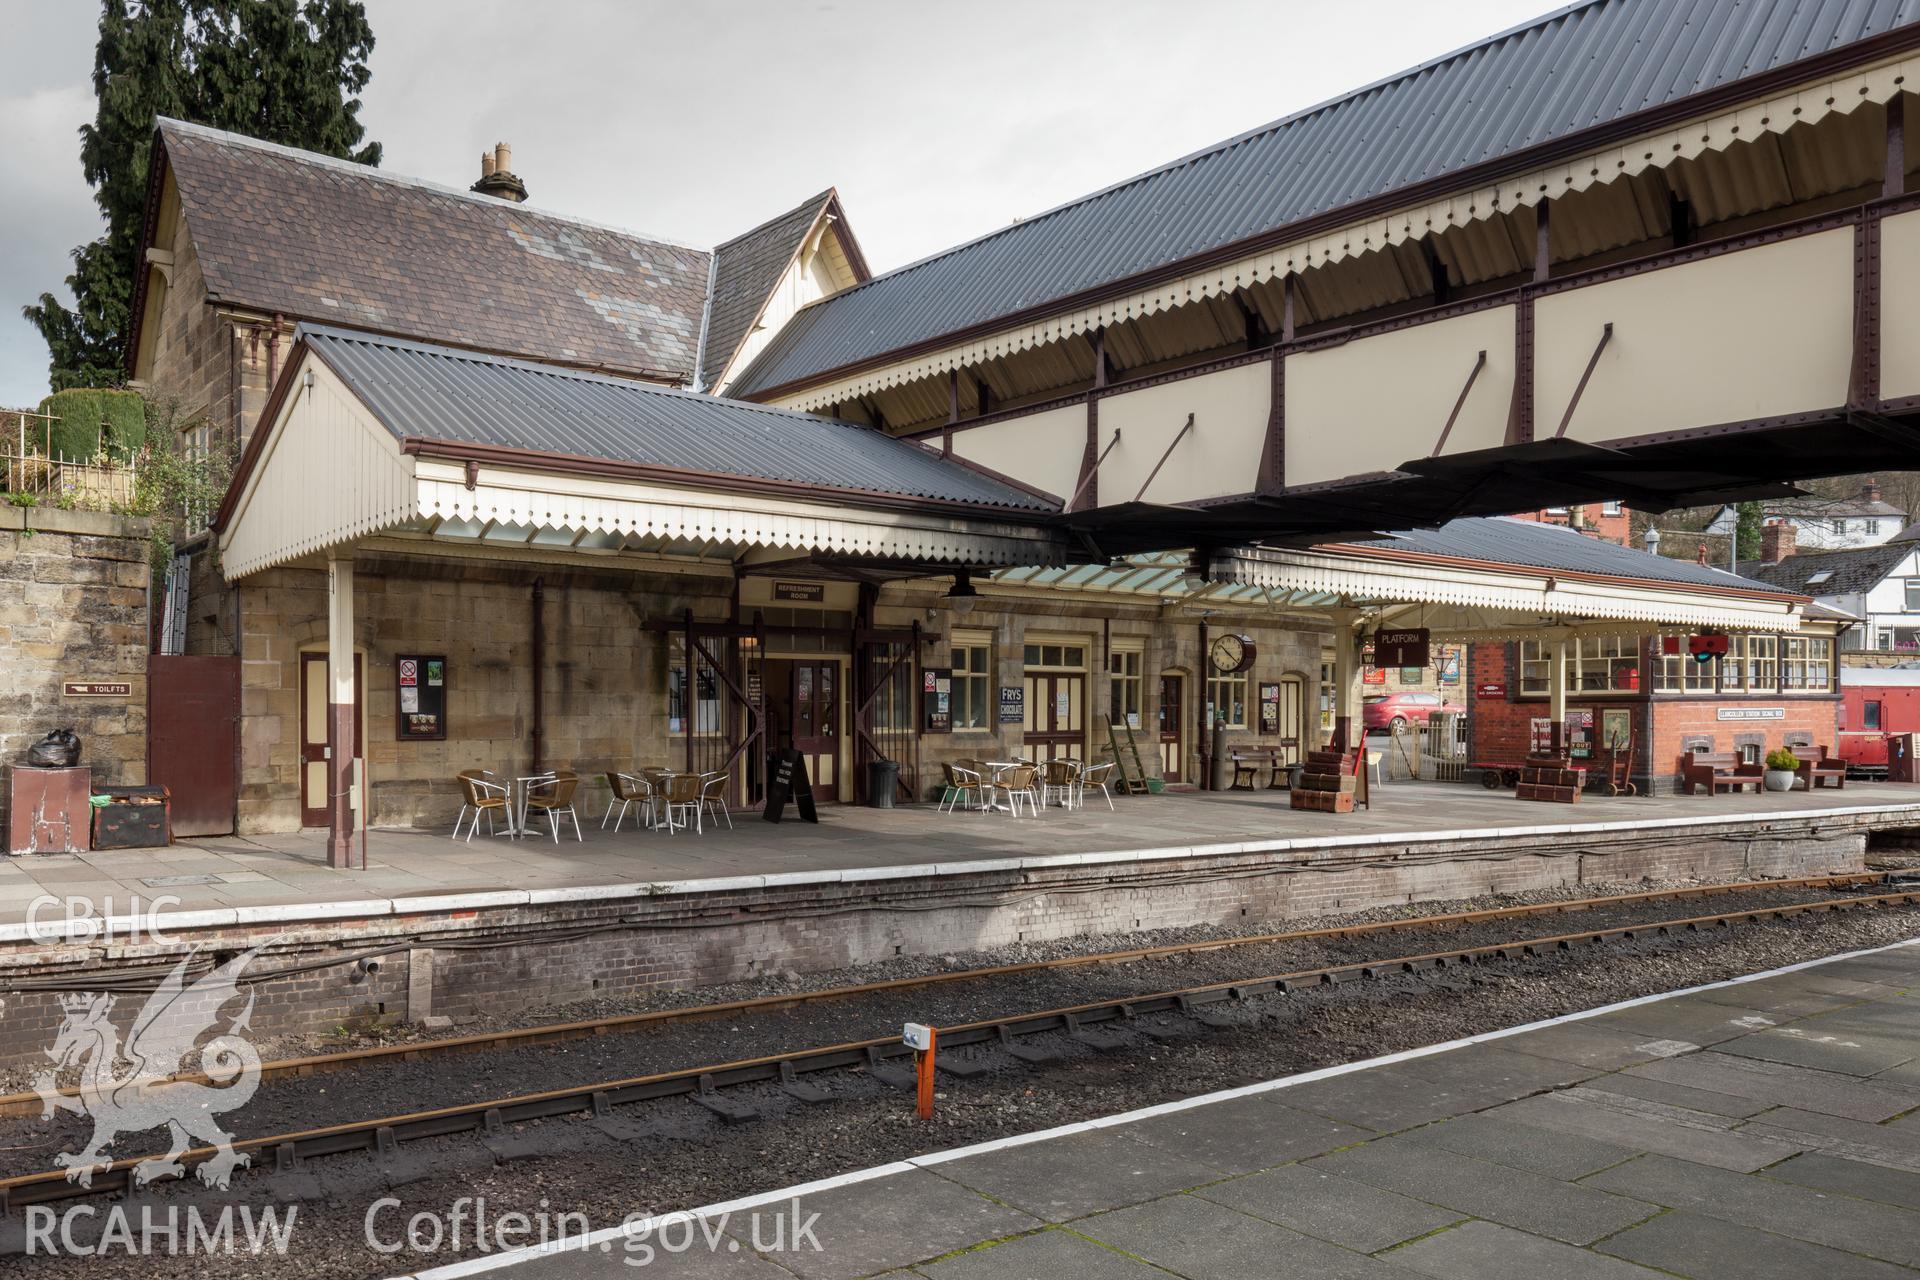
{"x":788,"y":781}
{"x":1406,"y":648}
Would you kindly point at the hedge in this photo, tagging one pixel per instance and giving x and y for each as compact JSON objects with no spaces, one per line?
{"x":79,"y":433}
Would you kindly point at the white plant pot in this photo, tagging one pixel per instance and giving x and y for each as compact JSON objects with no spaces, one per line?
{"x":1781,"y":779}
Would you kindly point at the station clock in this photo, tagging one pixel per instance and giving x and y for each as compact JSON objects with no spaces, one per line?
{"x":1232,"y":654}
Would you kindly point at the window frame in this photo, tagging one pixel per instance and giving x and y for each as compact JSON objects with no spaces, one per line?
{"x":971,"y":685}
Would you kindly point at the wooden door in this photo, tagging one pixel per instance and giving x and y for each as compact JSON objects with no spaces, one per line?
{"x":1293,"y":722}
{"x":1056,"y":716}
{"x":1173,"y":697}
{"x":814,"y":707}
{"x":193,"y":736}
{"x":316,"y":746}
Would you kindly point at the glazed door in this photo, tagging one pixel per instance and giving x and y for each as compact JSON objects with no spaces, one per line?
{"x":316,"y":748}
{"x":1173,"y":697}
{"x":1056,"y":721}
{"x":814,"y":699}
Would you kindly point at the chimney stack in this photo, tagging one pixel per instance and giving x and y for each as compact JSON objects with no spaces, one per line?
{"x":1776,"y":541}
{"x":1870,"y":491}
{"x":497,"y":177}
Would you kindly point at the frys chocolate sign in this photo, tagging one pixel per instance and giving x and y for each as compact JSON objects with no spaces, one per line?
{"x":1407,"y":648}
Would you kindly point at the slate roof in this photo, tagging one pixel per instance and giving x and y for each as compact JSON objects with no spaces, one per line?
{"x":745,"y":271}
{"x":1852,"y":569}
{"x":315,"y":238}
{"x":442,"y":393}
{"x":1581,"y":66}
{"x":1532,"y":545}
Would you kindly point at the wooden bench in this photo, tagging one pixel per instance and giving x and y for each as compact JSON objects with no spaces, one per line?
{"x":1247,"y":763}
{"x":1822,"y":769}
{"x":1719,"y":771}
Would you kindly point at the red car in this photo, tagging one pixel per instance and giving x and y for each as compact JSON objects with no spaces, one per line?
{"x":1391,"y":710}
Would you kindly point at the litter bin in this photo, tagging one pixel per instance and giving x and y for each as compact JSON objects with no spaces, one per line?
{"x":883,"y":779}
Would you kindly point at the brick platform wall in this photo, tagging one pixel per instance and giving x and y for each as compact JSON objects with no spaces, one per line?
{"x":653,"y":942}
{"x":1682,"y":724}
{"x":73,"y":606}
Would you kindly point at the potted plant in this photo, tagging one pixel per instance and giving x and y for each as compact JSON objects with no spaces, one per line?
{"x":1783,"y":769}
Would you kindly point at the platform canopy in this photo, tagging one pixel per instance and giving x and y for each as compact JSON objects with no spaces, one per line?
{"x":368,"y":436}
{"x":1479,"y":579}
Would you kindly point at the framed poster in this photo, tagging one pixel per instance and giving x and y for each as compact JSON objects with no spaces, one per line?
{"x":420,"y":697}
{"x":1270,"y":708}
{"x":1579,"y":734}
{"x":1013,"y":704}
{"x":936,"y":700}
{"x":1616,"y":728}
{"x":1449,"y":666}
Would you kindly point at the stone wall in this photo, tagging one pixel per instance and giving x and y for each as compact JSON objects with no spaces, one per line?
{"x":606,"y":675}
{"x":73,"y":606}
{"x":652,"y":938}
{"x":604,"y":692}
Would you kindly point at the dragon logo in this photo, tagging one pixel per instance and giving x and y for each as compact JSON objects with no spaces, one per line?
{"x":135,"y":1087}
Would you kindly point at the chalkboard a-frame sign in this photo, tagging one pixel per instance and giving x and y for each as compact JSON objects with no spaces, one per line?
{"x":787,"y":779}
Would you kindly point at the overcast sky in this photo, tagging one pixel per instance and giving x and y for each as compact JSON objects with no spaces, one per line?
{"x":937,"y":121}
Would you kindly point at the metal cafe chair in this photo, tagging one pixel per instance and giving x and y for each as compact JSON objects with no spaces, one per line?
{"x":965,"y":786}
{"x":1096,"y":776}
{"x":553,"y":797}
{"x":1018,"y":783}
{"x":480,"y":793}
{"x":682,"y":802}
{"x":713,"y":799}
{"x":626,"y":791}
{"x":1060,"y":780}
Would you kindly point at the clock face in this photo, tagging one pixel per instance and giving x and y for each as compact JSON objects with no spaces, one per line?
{"x":1231,"y":653}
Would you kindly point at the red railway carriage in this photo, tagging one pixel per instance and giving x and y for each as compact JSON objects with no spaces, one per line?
{"x":1875,"y":702}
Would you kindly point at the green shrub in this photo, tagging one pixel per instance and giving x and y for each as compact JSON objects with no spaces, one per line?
{"x":1783,"y":759}
{"x":92,"y":419}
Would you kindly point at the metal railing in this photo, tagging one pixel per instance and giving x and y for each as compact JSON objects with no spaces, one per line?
{"x":31,"y":469}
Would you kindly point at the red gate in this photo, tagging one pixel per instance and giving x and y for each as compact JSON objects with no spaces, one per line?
{"x":193,"y":738}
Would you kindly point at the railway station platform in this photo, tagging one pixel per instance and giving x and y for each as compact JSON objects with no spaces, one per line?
{"x":1764,"y":1127}
{"x":436,"y":928}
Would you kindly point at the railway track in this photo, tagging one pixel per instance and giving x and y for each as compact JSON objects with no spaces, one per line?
{"x":17,"y":1104}
{"x":883,"y":1058}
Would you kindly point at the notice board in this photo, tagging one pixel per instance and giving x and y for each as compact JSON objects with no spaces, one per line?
{"x":420,"y":696}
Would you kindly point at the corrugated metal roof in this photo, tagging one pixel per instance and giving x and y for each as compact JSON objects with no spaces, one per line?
{"x":1532,"y":545}
{"x":443,"y":393}
{"x":1581,"y":66}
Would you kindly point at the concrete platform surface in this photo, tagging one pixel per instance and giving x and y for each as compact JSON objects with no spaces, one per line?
{"x":1764,"y":1128}
{"x":405,"y":867}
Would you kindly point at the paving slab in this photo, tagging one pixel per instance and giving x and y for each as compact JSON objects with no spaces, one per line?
{"x":1687,"y":1021}
{"x":1705,"y":1248}
{"x":1354,"y":1215}
{"x":1386,"y":1099}
{"x":1839,"y":1222}
{"x":1637,"y":1125}
{"x":1496,"y":1073}
{"x":1824,"y":1172}
{"x":1487,"y":1136}
{"x":1244,"y":1135}
{"x":1783,"y":1085}
{"x":1045,"y":1254}
{"x":1082,"y":1173}
{"x":1885,"y":1144}
{"x":1827,"y":1047}
{"x":1203,"y":1240}
{"x":1489,"y":1251}
{"x":1587,"y":1044}
{"x":883,"y":1224}
{"x":1708,"y":1101}
{"x":1570,"y":1212}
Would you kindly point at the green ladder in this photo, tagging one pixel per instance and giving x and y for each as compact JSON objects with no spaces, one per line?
{"x":1131,"y":783}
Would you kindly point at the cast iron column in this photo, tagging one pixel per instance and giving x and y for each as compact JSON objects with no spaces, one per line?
{"x":341,"y":724}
